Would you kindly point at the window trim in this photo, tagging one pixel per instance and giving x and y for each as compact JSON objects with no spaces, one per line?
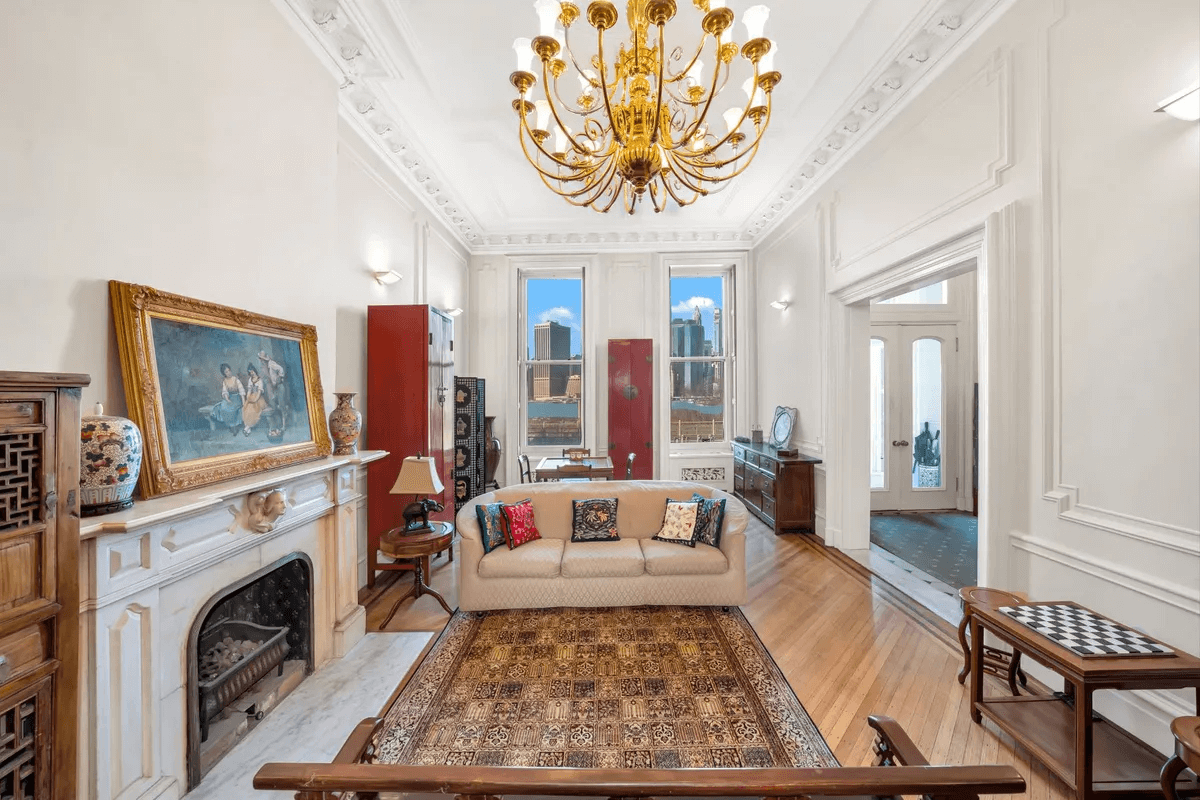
{"x":558,"y":271}
{"x":727,"y":271}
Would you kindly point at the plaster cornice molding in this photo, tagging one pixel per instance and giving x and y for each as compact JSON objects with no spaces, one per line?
{"x":612,"y":242}
{"x":341,"y":33}
{"x":928,"y":47}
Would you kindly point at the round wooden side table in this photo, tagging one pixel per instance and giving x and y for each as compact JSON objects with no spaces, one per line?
{"x":997,"y":662}
{"x":420,"y":546}
{"x":1187,"y":754}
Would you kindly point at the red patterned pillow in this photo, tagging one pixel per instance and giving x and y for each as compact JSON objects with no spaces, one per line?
{"x":519,"y":526}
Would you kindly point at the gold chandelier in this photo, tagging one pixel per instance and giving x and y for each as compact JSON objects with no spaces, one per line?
{"x":643,"y":125}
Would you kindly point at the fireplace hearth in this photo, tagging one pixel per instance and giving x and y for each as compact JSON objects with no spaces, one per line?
{"x":249,"y":646}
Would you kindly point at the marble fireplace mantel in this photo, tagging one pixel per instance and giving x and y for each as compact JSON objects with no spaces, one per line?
{"x":146,"y":572}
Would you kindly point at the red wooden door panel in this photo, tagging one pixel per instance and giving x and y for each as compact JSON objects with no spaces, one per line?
{"x":631,"y":405}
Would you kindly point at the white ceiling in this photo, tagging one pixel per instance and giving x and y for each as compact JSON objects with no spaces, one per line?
{"x":427,"y":80}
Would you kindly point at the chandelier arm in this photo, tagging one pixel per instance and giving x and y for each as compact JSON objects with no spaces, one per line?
{"x":581,"y":112}
{"x":616,"y":195}
{"x":570,"y":196}
{"x":712,"y":96}
{"x":675,"y":197}
{"x":680,"y":168}
{"x":612,"y":123}
{"x":700,"y":119}
{"x":662,"y":66}
{"x":745,"y":115}
{"x":523,"y":127}
{"x":699,"y":51}
{"x":752,"y":147}
{"x":659,"y":205}
{"x":570,"y":52}
{"x":750,"y":151}
{"x":554,"y":110}
{"x":631,"y":201}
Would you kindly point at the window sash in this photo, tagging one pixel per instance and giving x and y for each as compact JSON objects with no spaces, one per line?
{"x":525,"y":363}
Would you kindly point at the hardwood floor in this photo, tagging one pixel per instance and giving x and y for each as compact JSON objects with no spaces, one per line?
{"x":848,"y":645}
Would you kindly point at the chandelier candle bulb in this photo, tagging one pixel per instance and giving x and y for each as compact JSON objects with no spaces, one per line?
{"x":543,"y":115}
{"x":755,"y":20}
{"x":733,"y":118}
{"x":547,"y":11}
{"x":767,"y":62}
{"x":524,"y":54}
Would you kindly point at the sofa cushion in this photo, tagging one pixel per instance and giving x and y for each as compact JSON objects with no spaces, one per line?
{"x":594,"y":520}
{"x":491,"y":525}
{"x":679,"y":523}
{"x":709,"y":519}
{"x":668,"y":558}
{"x":540,"y":558}
{"x":616,"y":559}
{"x":519,"y":525}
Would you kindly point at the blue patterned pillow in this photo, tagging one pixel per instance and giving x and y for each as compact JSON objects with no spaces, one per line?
{"x":594,"y":520}
{"x":491,"y":525}
{"x":709,"y":520}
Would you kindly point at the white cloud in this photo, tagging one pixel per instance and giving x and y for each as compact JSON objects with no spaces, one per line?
{"x":703,"y":303}
{"x":560,"y":314}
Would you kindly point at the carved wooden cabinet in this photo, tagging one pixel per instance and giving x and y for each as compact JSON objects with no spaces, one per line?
{"x":776,"y":489}
{"x":39,"y":584}
{"x":410,"y":409}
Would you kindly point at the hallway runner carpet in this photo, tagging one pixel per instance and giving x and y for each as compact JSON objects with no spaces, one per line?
{"x":642,"y":688}
{"x":944,"y":544}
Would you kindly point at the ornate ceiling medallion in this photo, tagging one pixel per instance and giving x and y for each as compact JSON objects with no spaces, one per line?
{"x":643,"y":117}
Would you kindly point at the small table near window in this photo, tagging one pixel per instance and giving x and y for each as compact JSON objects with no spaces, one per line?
{"x":593,"y":468}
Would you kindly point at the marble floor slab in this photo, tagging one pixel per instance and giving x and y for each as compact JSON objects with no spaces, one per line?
{"x":312,"y":722}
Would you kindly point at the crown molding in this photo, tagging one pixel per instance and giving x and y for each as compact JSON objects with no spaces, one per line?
{"x":343,"y":36}
{"x":611,"y":242}
{"x":927,"y":48}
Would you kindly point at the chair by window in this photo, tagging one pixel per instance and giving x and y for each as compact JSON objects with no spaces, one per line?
{"x":629,"y":467}
{"x":525,"y":471}
{"x":576,"y":452}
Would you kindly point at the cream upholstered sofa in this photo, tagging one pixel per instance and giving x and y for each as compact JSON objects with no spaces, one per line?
{"x":636,"y":570}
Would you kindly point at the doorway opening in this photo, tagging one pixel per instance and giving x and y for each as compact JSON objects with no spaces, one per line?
{"x":923,"y":439}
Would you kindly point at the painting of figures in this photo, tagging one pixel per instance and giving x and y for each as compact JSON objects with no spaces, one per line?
{"x":227,"y":391}
{"x":218,"y":392}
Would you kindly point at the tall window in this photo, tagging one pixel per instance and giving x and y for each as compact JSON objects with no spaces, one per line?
{"x":552,"y":363}
{"x":701,"y":373}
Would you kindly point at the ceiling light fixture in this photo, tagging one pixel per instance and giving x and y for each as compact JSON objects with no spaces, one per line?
{"x":644,"y":116}
{"x":780,"y":304}
{"x":1183,"y":105}
{"x":386,"y":277}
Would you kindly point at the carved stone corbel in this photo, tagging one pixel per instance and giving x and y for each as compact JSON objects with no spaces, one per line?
{"x":263,"y":508}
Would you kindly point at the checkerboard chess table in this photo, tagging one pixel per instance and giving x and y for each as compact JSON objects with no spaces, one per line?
{"x":1096,"y":758}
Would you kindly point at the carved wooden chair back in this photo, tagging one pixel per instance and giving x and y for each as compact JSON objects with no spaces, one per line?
{"x":523,"y":465}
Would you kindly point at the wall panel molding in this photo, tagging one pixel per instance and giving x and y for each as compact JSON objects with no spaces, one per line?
{"x":996,"y":74}
{"x":1173,"y":594}
{"x":1055,"y":487}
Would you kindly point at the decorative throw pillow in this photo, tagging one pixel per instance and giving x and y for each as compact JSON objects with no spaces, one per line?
{"x":491,"y":525}
{"x":709,"y":519}
{"x":519,"y":526}
{"x":679,"y":523}
{"x":594,"y":520}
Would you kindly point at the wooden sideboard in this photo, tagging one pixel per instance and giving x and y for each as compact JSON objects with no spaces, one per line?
{"x":39,"y":583}
{"x":777,"y":489}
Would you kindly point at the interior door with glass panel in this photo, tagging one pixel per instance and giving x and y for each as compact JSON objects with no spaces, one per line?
{"x":913,"y":450}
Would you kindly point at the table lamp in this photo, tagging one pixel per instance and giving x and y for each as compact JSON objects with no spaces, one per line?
{"x":418,"y":476}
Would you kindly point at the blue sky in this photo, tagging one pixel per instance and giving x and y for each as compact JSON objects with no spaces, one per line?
{"x":561,"y":300}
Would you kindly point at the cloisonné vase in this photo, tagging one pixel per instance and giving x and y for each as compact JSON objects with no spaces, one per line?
{"x":345,"y":423}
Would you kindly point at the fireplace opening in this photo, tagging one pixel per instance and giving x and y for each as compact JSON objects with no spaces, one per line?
{"x":250,"y":646}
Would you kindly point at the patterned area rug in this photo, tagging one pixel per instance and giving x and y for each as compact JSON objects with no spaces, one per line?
{"x":650,"y":687}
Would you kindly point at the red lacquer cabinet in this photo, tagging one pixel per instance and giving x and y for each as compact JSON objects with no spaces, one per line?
{"x":631,"y":406}
{"x":410,"y":409}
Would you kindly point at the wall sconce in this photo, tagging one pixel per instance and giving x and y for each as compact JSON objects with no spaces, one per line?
{"x":780,"y":304}
{"x":1183,"y":105}
{"x":454,"y":312}
{"x":386,"y":277}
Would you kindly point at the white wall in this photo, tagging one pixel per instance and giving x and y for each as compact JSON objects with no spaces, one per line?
{"x":196,"y":148}
{"x":193,"y":147}
{"x":1050,"y":114}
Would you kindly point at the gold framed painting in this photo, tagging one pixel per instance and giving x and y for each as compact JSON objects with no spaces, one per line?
{"x":218,"y":392}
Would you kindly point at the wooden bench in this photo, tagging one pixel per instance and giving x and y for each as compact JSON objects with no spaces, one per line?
{"x":900,"y":769}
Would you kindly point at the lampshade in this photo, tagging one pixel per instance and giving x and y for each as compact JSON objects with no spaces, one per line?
{"x":418,"y":475}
